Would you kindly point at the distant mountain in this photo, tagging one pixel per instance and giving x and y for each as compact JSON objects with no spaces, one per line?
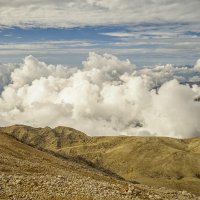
{"x":191,"y":83}
{"x":155,"y":161}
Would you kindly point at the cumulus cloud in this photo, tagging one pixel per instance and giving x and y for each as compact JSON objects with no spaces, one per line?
{"x":173,"y":112}
{"x":107,"y":96}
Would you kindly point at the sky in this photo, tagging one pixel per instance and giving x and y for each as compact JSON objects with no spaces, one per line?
{"x":117,"y":67}
{"x":147,"y":32}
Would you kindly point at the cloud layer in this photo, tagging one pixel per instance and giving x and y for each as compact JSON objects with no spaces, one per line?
{"x":69,"y":13}
{"x":107,"y":96}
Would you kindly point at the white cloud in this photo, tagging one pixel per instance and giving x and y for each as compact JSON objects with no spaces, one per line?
{"x":5,"y":72}
{"x":7,"y":35}
{"x":118,"y":34}
{"x":164,"y":73}
{"x":95,"y":12}
{"x":49,"y":44}
{"x":107,"y":96}
{"x":173,"y":112}
{"x":197,"y":65}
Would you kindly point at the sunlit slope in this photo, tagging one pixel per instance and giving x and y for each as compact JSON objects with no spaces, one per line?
{"x":169,"y":162}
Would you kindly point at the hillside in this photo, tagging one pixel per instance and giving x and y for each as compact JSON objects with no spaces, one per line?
{"x":27,"y":173}
{"x":168,"y":162}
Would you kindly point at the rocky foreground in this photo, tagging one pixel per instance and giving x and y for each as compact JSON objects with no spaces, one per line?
{"x":73,"y":186}
{"x":28,"y":173}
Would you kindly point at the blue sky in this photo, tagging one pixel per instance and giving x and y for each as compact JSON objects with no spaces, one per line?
{"x":146,"y":32}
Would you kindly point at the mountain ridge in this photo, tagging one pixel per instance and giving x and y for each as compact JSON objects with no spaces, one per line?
{"x":155,"y":161}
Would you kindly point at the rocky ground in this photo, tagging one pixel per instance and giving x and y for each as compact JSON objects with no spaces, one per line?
{"x":73,"y":186}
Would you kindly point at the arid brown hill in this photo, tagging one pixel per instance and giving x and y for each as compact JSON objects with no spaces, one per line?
{"x":168,"y":162}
